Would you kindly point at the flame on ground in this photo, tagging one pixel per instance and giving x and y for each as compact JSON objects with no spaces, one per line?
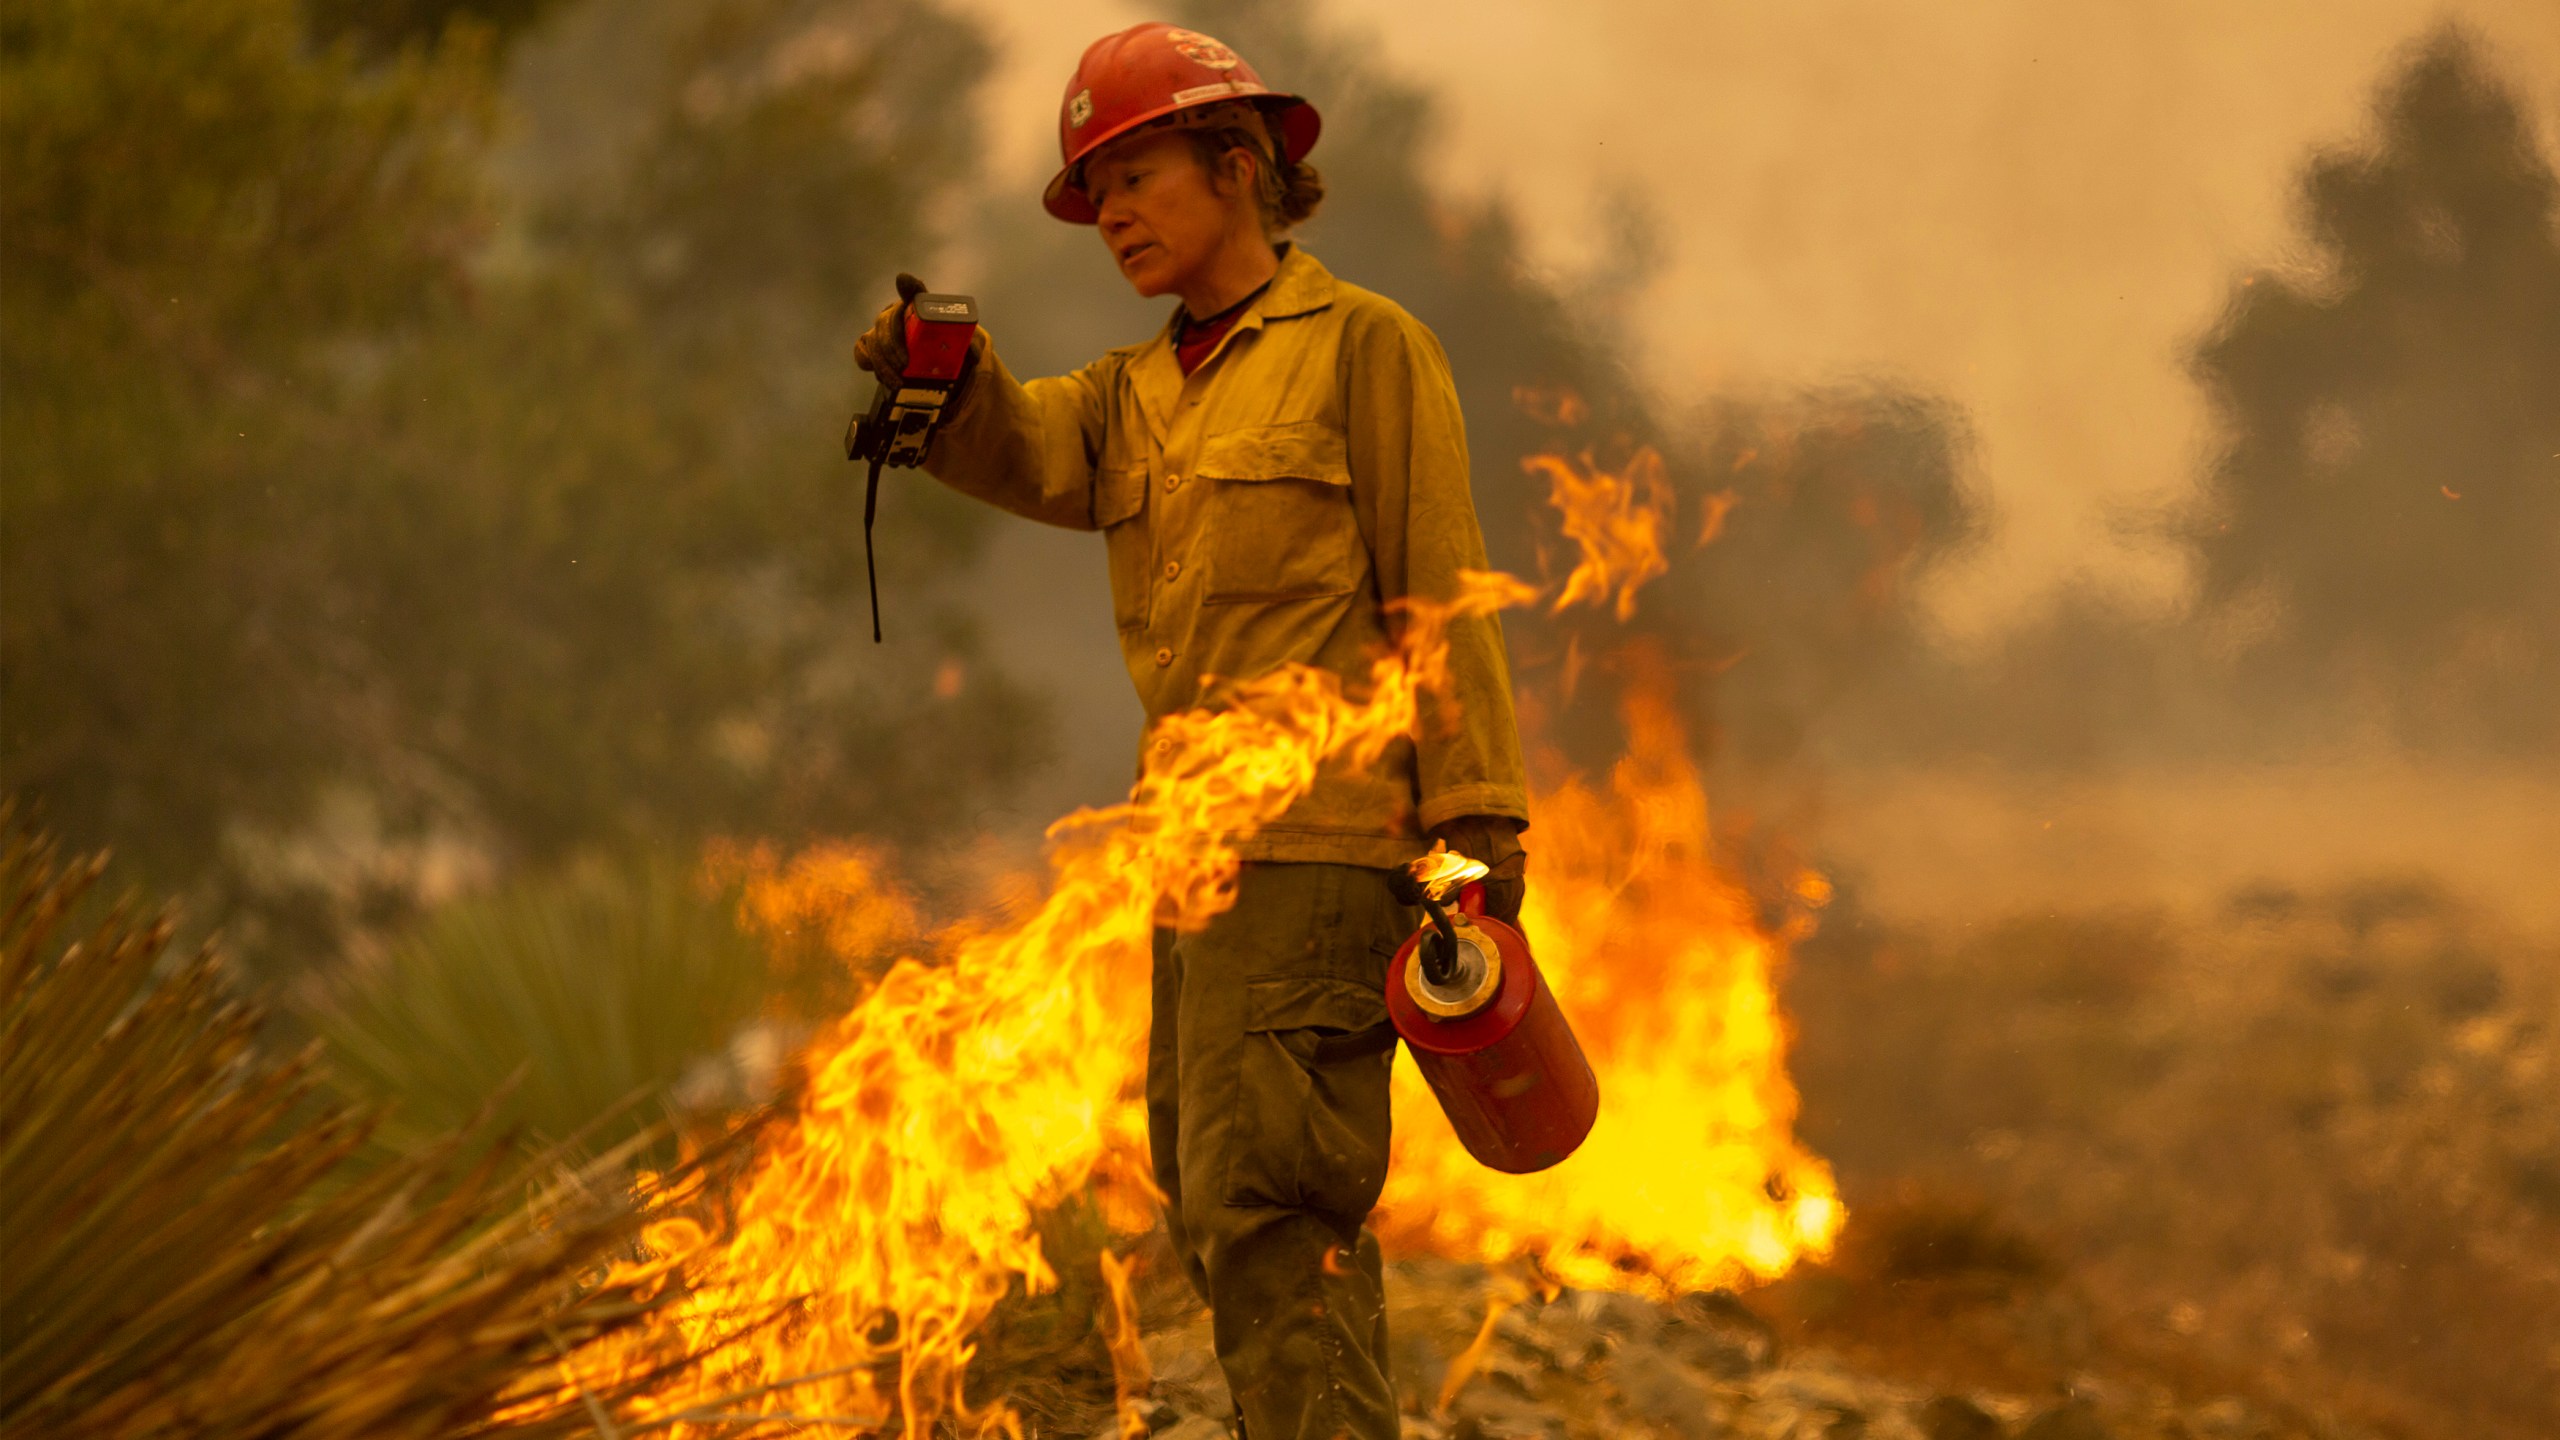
{"x":1462,"y":1367}
{"x":963,"y":1097}
{"x":1692,"y":1178}
{"x":994,"y":1074}
{"x":1132,"y":1374}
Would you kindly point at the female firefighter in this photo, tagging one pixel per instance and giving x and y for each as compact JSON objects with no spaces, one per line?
{"x":1272,"y":472}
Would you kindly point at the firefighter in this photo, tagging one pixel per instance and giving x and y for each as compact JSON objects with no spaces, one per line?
{"x":1272,"y":472}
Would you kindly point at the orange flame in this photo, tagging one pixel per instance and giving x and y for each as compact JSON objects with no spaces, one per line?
{"x":1716,"y":508}
{"x":1617,"y":519}
{"x":961,"y":1099}
{"x":1132,"y":1375}
{"x":843,"y":893}
{"x":992,"y":1074}
{"x":1445,"y":870}
{"x":1692,"y":1179}
{"x":1463,"y":1368}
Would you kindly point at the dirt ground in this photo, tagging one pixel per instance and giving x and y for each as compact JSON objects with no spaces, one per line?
{"x":2266,"y":1064}
{"x":2217,"y":1108}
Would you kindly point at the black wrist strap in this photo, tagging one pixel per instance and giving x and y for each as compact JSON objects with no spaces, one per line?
{"x":870,"y":566}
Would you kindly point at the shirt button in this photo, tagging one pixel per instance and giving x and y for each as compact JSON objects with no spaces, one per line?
{"x":1164,"y":657}
{"x":1172,"y":568}
{"x":1172,"y":483}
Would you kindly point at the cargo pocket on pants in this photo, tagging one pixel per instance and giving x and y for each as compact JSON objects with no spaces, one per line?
{"x":1311,"y":1121}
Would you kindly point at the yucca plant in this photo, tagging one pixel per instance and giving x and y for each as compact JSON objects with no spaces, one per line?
{"x":575,"y":1006}
{"x":184,"y":1253}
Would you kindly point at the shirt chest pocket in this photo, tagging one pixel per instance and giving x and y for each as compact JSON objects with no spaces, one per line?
{"x":1119,"y":493}
{"x":1280,"y":523}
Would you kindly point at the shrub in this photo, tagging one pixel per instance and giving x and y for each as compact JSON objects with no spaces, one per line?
{"x":185,"y":1253}
{"x":576,"y":1007}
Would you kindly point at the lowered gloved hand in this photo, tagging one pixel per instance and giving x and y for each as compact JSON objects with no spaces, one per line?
{"x":882,"y":350}
{"x":1495,"y":840}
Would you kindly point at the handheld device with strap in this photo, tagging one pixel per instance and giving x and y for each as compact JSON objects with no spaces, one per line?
{"x":909,"y":407}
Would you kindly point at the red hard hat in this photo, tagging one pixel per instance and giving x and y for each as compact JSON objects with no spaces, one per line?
{"x":1147,"y":72}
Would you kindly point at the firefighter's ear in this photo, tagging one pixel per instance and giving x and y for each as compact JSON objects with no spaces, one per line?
{"x":1237,"y":171}
{"x":909,"y":287}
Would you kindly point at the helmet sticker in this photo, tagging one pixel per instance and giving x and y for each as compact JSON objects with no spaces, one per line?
{"x":1202,"y":50}
{"x":1080,"y":109}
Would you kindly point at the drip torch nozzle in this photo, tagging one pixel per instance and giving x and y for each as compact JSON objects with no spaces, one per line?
{"x":1440,"y":952}
{"x":1427,"y":882}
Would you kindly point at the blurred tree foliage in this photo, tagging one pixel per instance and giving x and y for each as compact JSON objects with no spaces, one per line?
{"x":389,"y":25}
{"x":1815,"y":519}
{"x":515,"y":511}
{"x":2377,"y":540}
{"x":2389,"y":489}
{"x":197,"y":208}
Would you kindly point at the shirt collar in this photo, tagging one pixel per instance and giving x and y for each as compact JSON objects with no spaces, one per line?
{"x":1301,"y":286}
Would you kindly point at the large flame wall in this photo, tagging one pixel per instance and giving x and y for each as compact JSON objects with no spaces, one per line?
{"x":996,"y":1073}
{"x":1692,"y":1178}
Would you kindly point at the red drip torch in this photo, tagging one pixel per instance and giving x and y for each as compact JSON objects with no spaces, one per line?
{"x":1483,"y":1026}
{"x":904,"y":414}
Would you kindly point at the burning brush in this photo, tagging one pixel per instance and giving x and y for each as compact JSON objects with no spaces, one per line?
{"x":994,"y":1075}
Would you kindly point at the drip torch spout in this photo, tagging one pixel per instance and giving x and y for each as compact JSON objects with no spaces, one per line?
{"x":1440,"y":952}
{"x":1427,"y":882}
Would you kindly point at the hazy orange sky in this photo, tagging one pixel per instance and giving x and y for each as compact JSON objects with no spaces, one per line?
{"x":2031,"y":207}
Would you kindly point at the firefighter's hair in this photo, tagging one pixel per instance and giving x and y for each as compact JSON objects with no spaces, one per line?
{"x":1288,"y":192}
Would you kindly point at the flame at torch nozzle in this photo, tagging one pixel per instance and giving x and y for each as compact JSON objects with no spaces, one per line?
{"x":1429,"y":881}
{"x":1444,"y":872}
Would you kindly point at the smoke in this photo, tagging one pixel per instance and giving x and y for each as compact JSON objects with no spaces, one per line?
{"x":1973,"y":263}
{"x":2021,"y":218}
{"x":1842,"y":497}
{"x":2030,"y":210}
{"x":2377,"y":537}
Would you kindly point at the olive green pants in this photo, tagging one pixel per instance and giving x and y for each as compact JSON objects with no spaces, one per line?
{"x":1267,"y":1113}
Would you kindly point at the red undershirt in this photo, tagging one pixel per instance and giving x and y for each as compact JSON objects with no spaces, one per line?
{"x":1193,"y":341}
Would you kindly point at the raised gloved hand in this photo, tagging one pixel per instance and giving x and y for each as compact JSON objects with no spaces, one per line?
{"x":882,"y":350}
{"x":1494,"y":840}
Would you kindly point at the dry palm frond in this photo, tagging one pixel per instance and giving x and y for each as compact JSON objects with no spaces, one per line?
{"x":185,"y":1255}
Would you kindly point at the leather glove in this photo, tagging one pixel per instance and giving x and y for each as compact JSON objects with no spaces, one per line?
{"x":882,"y":350}
{"x":1495,"y":840}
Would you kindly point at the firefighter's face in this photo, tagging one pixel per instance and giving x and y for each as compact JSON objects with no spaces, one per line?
{"x":1162,"y":213}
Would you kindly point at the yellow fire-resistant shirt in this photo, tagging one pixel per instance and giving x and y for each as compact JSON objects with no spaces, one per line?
{"x":1262,"y":511}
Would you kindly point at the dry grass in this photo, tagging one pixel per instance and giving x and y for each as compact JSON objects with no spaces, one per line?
{"x":2312,"y":1134}
{"x":187,"y":1254}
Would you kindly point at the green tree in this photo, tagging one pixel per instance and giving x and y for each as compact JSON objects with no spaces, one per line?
{"x":2389,"y":483}
{"x":189,"y":1252}
{"x":388,"y":25}
{"x":513,"y":512}
{"x":203,"y":216}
